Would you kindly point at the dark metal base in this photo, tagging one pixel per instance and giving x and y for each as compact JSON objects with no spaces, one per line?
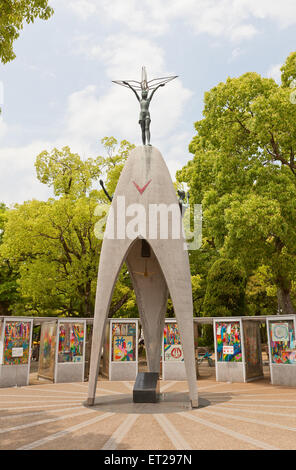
{"x":146,"y":388}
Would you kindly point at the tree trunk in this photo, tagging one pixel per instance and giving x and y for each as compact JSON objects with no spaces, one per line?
{"x":118,"y":305}
{"x":285,"y":306}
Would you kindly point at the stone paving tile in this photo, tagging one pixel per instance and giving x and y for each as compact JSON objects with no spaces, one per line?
{"x":253,"y":415}
{"x":264,"y":433}
{"x":200,"y":437}
{"x":146,"y":434}
{"x":16,"y":417}
{"x":18,"y":438}
{"x":91,"y":437}
{"x":273,"y":415}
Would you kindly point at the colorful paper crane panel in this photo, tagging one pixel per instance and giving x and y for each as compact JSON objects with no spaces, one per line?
{"x":124,"y":342}
{"x":282,"y":342}
{"x":123,"y":348}
{"x":228,"y":336}
{"x":17,"y":342}
{"x":173,"y":350}
{"x":71,"y":339}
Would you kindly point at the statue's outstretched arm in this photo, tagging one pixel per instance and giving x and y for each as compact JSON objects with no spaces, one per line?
{"x":162,"y":84}
{"x":126,"y":83}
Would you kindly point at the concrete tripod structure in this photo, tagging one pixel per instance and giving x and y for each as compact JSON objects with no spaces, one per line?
{"x":157,"y":265}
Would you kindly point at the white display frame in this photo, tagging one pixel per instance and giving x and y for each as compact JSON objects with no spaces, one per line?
{"x":234,"y":365}
{"x":118,"y":369}
{"x":172,"y":370}
{"x":69,"y":365}
{"x":16,"y":367}
{"x":1,"y":340}
{"x":55,"y":322}
{"x":272,"y":365}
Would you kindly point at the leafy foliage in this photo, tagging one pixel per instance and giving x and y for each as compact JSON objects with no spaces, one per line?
{"x":243,"y":173}
{"x":52,"y":245}
{"x":13,"y":15}
{"x":225,"y":294}
{"x":8,"y":277}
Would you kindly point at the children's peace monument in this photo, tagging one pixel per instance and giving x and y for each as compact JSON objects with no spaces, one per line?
{"x":157,"y":262}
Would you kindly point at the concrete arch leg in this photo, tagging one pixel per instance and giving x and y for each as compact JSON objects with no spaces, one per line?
{"x":177,"y":276}
{"x":112,"y":258}
{"x":152,"y":295}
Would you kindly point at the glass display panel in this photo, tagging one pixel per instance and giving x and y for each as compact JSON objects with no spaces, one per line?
{"x":282,"y":342}
{"x":252,"y":349}
{"x":124,"y":342}
{"x":228,"y":336}
{"x":173,"y":350}
{"x":71,"y":340}
{"x":1,"y":342}
{"x":17,"y":336}
{"x":106,"y":349}
{"x":47,"y":350}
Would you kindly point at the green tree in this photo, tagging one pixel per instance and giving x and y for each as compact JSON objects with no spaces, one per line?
{"x":66,"y":173}
{"x":289,"y":70}
{"x":8,"y":276}
{"x":225,"y":294}
{"x":261,"y":293}
{"x":201,"y":261}
{"x":13,"y":15}
{"x":55,"y":251}
{"x":53,"y":245}
{"x":243,"y":173}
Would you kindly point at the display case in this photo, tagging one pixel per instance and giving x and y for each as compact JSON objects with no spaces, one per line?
{"x":1,"y":340}
{"x":47,"y":351}
{"x":237,"y":350}
{"x":282,"y":350}
{"x":196,"y":334}
{"x":106,"y":352}
{"x":70,"y":351}
{"x":16,"y":343}
{"x":252,"y":350}
{"x":173,"y":367}
{"x":123,"y":349}
{"x":88,"y":343}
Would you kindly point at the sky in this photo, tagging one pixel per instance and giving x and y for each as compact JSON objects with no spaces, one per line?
{"x":59,"y":90}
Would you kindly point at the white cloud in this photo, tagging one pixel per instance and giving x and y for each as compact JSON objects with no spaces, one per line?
{"x":122,"y":55}
{"x":241,"y":32}
{"x":275,"y":72}
{"x":283,"y":13}
{"x":3,"y":128}
{"x":90,"y":114}
{"x":145,"y":18}
{"x":94,"y":112}
{"x":235,"y":53}
{"x":176,"y":153}
{"x":1,"y":93}
{"x":83,"y":8}
{"x":232,"y":19}
{"x":18,"y":180}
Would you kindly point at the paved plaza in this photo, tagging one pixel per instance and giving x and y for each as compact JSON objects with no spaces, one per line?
{"x":249,"y":416}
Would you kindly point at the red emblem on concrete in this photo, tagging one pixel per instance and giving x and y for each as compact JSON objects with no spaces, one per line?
{"x":176,"y":353}
{"x":141,"y":190}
